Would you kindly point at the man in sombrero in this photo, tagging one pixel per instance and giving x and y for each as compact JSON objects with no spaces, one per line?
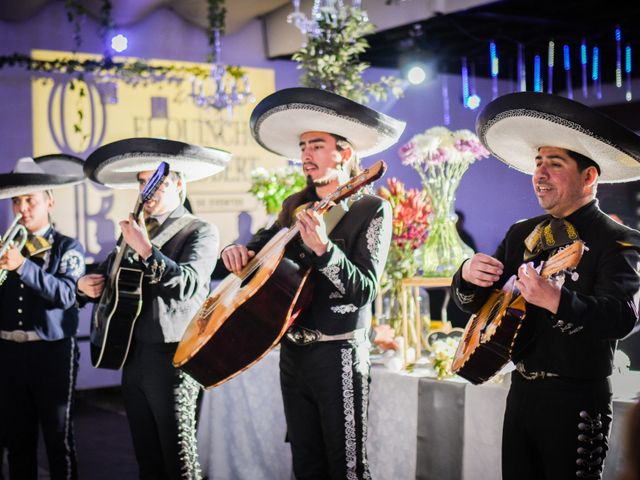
{"x":324,"y":359}
{"x":559,"y":409}
{"x":38,"y":349}
{"x":177,"y":256}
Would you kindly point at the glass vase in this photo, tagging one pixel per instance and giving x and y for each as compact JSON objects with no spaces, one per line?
{"x":444,"y":251}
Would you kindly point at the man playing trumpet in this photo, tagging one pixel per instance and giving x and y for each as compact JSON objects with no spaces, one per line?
{"x":38,"y":349}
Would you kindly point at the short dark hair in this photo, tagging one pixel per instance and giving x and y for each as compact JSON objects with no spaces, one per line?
{"x":583,"y":161}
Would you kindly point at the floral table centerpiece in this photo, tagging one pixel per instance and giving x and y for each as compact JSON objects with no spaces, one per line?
{"x":272,"y":187}
{"x":410,"y":224}
{"x":441,"y":157}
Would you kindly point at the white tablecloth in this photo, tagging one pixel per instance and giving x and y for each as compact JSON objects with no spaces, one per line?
{"x":418,"y":428}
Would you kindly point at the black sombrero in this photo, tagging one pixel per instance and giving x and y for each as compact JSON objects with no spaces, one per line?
{"x":118,"y":163}
{"x":47,"y":172}
{"x":278,"y":121}
{"x":514,"y":126}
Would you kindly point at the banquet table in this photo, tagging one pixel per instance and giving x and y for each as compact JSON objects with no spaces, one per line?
{"x":419,"y":428}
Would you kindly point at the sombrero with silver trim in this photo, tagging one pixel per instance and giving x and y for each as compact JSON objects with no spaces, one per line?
{"x":47,"y":172}
{"x":513,"y":127}
{"x":117,"y":164}
{"x":279,"y":119}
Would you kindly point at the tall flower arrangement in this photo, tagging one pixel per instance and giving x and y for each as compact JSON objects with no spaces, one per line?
{"x":411,"y":209}
{"x":441,"y":157}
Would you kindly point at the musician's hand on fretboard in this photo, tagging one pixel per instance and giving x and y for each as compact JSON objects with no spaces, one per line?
{"x":136,"y":237}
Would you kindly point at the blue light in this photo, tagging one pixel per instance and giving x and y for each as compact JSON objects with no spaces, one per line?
{"x":567,"y":58}
{"x":627,"y":59}
{"x":537,"y":81}
{"x":465,"y":81}
{"x":119,"y":43}
{"x":595,"y":64}
{"x":583,"y":53}
{"x":618,"y":34}
{"x":495,"y":63}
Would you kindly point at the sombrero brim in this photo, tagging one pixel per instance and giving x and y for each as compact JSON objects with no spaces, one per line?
{"x":61,"y":164}
{"x":16,"y":184}
{"x":513,"y":127}
{"x":117,"y":164}
{"x":58,"y":170}
{"x":278,"y":121}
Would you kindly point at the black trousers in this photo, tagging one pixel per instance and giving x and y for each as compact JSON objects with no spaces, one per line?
{"x":555,"y":429}
{"x":37,"y":381}
{"x":160,"y":402}
{"x":325,"y":388}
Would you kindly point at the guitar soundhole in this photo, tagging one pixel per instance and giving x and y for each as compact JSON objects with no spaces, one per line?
{"x":248,"y":278}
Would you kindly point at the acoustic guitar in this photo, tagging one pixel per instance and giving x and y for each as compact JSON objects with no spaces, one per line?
{"x":247,"y":314}
{"x":121,"y":301}
{"x":490,"y":334}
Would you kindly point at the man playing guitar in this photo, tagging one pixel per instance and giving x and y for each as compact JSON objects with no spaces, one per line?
{"x":324,"y":359}
{"x":177,"y":259}
{"x":559,"y":409}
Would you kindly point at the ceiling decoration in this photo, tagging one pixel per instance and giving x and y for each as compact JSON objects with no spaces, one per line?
{"x":128,"y":12}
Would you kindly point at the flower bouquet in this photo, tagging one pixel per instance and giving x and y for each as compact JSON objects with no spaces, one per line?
{"x":410,"y":224}
{"x":442,"y":353}
{"x":272,"y":187}
{"x":441,"y":157}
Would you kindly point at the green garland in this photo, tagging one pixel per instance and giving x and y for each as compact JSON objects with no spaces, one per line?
{"x":331,"y":61}
{"x":75,"y":14}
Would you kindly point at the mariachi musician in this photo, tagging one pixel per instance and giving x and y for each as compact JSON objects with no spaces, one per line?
{"x":38,"y":350}
{"x":324,"y":360}
{"x":177,"y":256}
{"x":559,"y":408}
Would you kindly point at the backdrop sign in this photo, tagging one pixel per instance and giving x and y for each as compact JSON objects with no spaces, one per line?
{"x":77,"y":117}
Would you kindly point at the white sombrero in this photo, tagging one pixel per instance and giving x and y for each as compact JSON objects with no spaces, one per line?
{"x":47,"y":172}
{"x":513,"y":127}
{"x":117,"y":164}
{"x":278,"y":121}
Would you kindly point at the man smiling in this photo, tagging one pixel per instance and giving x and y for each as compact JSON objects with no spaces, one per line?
{"x":558,"y":412}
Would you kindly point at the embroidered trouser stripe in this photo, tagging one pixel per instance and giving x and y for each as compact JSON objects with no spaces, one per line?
{"x":325,"y":393}
{"x":160,"y":402}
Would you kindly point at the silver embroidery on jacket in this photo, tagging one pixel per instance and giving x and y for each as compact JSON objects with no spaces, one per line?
{"x":157,"y":270}
{"x":333,"y":295}
{"x":342,"y":309}
{"x":373,"y":237}
{"x":331,"y":272}
{"x":465,"y":298}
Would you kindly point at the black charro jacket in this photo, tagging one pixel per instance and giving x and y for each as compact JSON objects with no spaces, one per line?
{"x":345,"y":278}
{"x":596,"y":310}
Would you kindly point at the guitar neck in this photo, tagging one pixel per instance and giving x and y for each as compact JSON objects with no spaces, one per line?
{"x":121,"y":245}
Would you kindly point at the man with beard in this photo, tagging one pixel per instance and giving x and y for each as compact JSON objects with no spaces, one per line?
{"x":324,"y":359}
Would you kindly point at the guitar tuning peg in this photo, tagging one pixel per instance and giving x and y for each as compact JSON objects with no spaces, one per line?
{"x":575,"y":276}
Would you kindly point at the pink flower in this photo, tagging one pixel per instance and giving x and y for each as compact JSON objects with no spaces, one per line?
{"x":408,"y":154}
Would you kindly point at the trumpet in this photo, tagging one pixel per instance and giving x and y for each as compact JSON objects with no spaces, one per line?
{"x":16,"y":235}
